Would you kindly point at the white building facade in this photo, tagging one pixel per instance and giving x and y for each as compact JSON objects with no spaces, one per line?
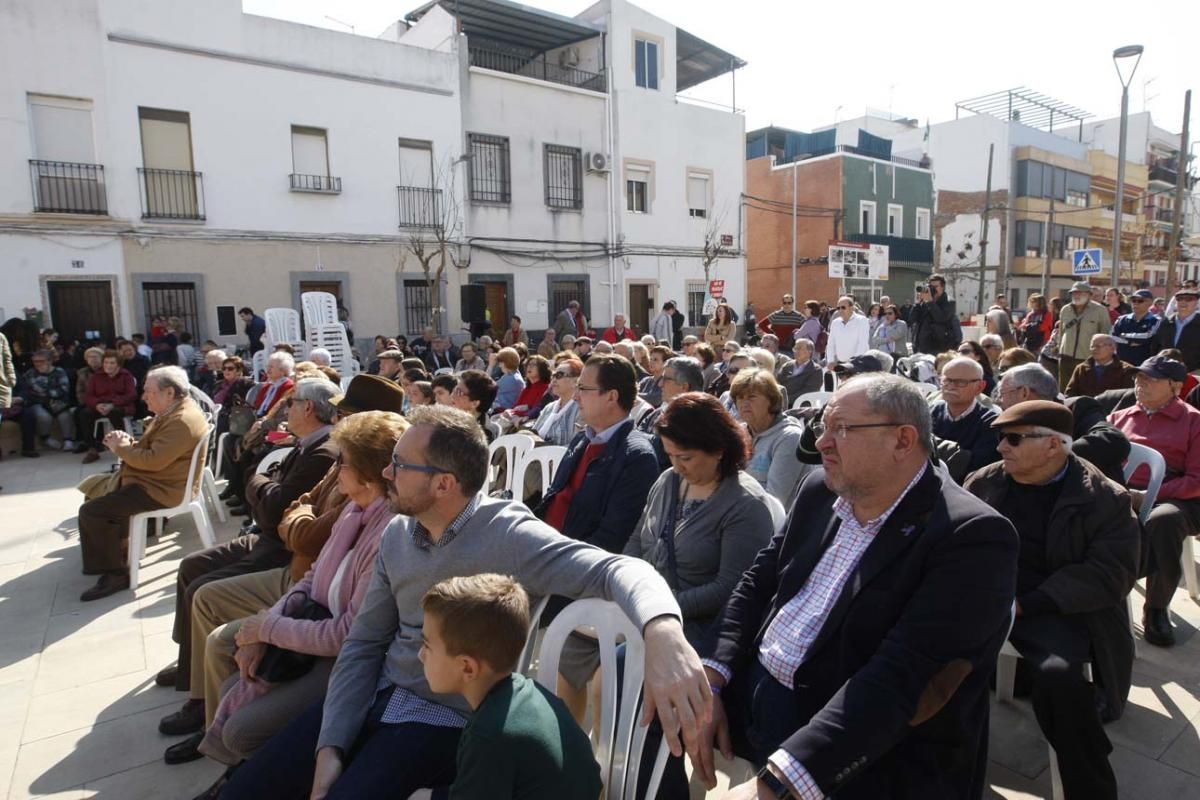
{"x":183,"y":159}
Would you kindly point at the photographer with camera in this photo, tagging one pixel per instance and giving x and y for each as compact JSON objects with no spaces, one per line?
{"x":935,"y":320}
{"x":1078,"y":323}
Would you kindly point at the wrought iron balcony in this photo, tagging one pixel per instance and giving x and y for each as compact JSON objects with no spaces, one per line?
{"x":419,"y":207}
{"x":536,"y":67}
{"x":321,"y":184}
{"x":65,"y":187}
{"x":171,"y":193}
{"x":900,"y":250}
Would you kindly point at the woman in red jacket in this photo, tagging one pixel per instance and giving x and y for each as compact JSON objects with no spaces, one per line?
{"x":537,"y":376}
{"x":111,"y":394}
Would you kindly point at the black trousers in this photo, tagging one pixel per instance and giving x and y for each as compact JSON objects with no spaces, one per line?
{"x":104,"y":529}
{"x":242,"y":556}
{"x":1162,"y":546}
{"x":85,"y":423}
{"x":1054,"y":648}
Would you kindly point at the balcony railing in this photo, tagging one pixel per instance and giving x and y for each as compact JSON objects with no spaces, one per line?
{"x":65,"y":187}
{"x":171,"y":193}
{"x":536,"y":67}
{"x":321,"y":184}
{"x":900,"y":250}
{"x":419,"y":207}
{"x":924,"y":163}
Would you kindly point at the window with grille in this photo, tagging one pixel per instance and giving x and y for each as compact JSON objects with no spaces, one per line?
{"x":172,"y":299}
{"x":695,"y":303}
{"x":491,"y":176}
{"x":563,"y":168}
{"x":637,"y":188}
{"x":697,"y":195}
{"x":418,"y":305}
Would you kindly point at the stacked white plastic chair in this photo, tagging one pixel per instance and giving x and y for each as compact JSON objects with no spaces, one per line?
{"x":283,"y":327}
{"x":324,"y":330}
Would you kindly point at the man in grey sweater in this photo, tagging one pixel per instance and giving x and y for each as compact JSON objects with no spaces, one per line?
{"x":381,"y":731}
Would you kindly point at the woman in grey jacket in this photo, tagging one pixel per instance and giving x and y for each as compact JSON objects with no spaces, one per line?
{"x":774,"y":435}
{"x":705,"y":518}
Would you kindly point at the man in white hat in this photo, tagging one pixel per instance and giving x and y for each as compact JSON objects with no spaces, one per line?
{"x":1078,"y":323}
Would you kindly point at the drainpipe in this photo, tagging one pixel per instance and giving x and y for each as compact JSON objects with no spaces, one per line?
{"x":612,"y":183}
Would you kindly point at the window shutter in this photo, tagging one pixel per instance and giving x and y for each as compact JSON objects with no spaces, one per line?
{"x":309,"y":154}
{"x":697,"y":191}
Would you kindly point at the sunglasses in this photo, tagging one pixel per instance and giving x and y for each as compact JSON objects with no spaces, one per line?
{"x":1015,"y":439}
{"x":562,"y":375}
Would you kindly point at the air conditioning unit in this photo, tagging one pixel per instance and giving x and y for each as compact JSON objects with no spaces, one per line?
{"x":568,"y":57}
{"x":599,"y":162}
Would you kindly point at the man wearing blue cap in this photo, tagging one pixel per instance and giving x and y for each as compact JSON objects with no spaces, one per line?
{"x":1181,"y":330}
{"x":1163,"y":422}
{"x":1135,"y":332}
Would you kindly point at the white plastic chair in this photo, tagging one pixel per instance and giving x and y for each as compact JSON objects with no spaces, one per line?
{"x":272,"y":458}
{"x":516,"y":447}
{"x":283,"y":326}
{"x":103,"y":427}
{"x":621,"y":738}
{"x":549,"y":457}
{"x":812,"y":399}
{"x":212,"y":492}
{"x":258,"y":365}
{"x":1140,"y":454}
{"x":530,"y":650}
{"x":205,"y":403}
{"x":927,"y":389}
{"x":778,"y":512}
{"x":320,"y":308}
{"x":192,"y":503}
{"x":332,"y":337}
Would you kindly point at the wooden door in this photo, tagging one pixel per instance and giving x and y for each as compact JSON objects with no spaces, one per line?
{"x":496,"y":301}
{"x":330,"y":287}
{"x":82,"y":310}
{"x":641,"y":305}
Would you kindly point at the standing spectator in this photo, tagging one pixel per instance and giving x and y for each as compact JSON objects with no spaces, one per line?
{"x":380,"y":343}
{"x":1135,"y":332}
{"x":783,"y":321}
{"x":1176,"y":329}
{"x":469,"y":359}
{"x":998,"y":323}
{"x":960,"y":417}
{"x":143,"y":349}
{"x":618,"y":331}
{"x":875,"y":316}
{"x":570,"y":321}
{"x":891,"y":336}
{"x":677,"y":322}
{"x":1171,"y":306}
{"x":256,"y":328}
{"x":1035,"y":327}
{"x":720,"y":329}
{"x":1079,"y":560}
{"x":849,"y":334}
{"x":1102,"y":371}
{"x":812,"y":329}
{"x":1001,"y":302}
{"x":515,"y":333}
{"x":773,"y":434}
{"x":751,"y":324}
{"x":185,"y":353}
{"x":934,"y":319}
{"x":662,"y":328}
{"x":1163,"y":422}
{"x":46,"y":396}
{"x":511,"y":384}
{"x":1078,"y":323}
{"x":111,"y":394}
{"x":1114,"y":301}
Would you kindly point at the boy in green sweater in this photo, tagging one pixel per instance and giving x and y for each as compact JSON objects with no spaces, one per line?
{"x":521,"y":741}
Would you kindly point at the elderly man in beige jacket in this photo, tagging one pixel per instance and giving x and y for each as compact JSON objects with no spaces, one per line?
{"x":154,"y":474}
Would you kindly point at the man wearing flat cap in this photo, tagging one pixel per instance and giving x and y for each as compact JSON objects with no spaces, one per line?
{"x":1181,"y":330}
{"x":389,"y":364}
{"x":1078,"y":562}
{"x":1161,"y":421}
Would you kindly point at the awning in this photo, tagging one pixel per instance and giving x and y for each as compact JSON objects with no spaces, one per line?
{"x":697,"y":61}
{"x":512,"y":23}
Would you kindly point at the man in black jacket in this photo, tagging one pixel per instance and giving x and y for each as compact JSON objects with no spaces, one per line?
{"x":1181,"y":330}
{"x":935,"y":319}
{"x":853,"y":658}
{"x":1079,"y":560}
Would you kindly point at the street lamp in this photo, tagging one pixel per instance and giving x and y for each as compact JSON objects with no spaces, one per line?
{"x":1119,"y":55}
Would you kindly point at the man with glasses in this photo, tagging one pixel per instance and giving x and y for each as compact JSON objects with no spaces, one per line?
{"x":381,"y":732}
{"x":783,"y":321}
{"x":1178,"y":331}
{"x":960,"y":417}
{"x":854,"y":656}
{"x":992,"y":346}
{"x":1102,"y":371}
{"x":803,"y":375}
{"x":849,"y":334}
{"x":1134,"y":333}
{"x":1079,"y":560}
{"x":681,"y":374}
{"x":310,"y":418}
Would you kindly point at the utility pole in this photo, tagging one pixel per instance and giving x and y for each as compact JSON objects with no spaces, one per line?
{"x":983,"y":237}
{"x":794,"y":182}
{"x":1181,"y":175}
{"x":1046,"y":251}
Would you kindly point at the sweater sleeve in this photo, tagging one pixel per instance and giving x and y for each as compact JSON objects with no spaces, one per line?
{"x":744,"y":531}
{"x":318,"y":637}
{"x":786,"y":469}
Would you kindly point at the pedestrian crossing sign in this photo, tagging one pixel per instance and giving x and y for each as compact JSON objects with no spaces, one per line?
{"x":1085,"y":262}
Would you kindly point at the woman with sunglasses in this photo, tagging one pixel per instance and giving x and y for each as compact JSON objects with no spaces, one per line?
{"x":973,"y":350}
{"x":557,"y":423}
{"x":892,"y":334}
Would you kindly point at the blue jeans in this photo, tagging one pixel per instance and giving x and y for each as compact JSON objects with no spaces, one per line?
{"x":386,"y":761}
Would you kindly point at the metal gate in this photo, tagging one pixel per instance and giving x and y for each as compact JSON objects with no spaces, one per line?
{"x":172,"y":300}
{"x":82,"y":310}
{"x":563,"y":291}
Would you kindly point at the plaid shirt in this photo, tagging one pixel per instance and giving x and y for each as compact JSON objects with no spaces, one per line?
{"x":404,"y":706}
{"x":794,"y":629}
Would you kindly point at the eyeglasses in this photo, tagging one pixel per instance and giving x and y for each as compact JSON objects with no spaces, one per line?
{"x":989,"y":347}
{"x":819,"y":426}
{"x":399,"y":466}
{"x":582,"y":388}
{"x":842,"y":308}
{"x":1015,"y":439}
{"x":562,"y":375}
{"x":959,"y":382}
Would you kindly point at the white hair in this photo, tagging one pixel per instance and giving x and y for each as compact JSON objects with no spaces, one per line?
{"x":1063,"y":439}
{"x":991,"y":338}
{"x":283,"y":360}
{"x":959,"y":360}
{"x":219,"y":354}
{"x":173,"y":378}
{"x":321,"y":357}
{"x":763,"y":357}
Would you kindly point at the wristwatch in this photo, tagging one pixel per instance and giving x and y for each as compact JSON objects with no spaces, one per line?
{"x":776,"y":786}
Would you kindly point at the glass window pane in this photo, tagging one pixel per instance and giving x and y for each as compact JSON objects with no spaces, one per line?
{"x":651,"y":65}
{"x":1034,"y":186}
{"x":639,"y":62}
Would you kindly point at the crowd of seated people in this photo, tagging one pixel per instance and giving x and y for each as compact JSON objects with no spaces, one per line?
{"x":823,"y":591}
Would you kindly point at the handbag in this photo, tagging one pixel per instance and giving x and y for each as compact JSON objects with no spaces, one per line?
{"x":241,"y":417}
{"x":99,"y":485}
{"x":280,"y":665}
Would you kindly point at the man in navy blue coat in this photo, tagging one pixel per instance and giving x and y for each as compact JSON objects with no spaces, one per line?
{"x":854,"y":656}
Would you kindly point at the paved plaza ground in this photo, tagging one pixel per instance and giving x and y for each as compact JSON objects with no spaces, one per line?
{"x":79,"y":709}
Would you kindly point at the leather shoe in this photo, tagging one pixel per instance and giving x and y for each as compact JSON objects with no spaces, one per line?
{"x":239,"y":511}
{"x":166,"y":676}
{"x":108,"y":584}
{"x":226,"y":493}
{"x":1156,"y":627}
{"x":189,"y":719}
{"x":214,"y":792}
{"x":185,"y":751}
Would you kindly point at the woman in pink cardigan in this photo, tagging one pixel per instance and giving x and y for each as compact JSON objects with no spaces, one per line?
{"x":251,"y":709}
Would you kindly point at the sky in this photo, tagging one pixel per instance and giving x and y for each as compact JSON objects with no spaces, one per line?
{"x":813,"y":63}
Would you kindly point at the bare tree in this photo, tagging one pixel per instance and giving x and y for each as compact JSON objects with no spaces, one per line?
{"x":435,"y":218}
{"x":713,"y":247}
